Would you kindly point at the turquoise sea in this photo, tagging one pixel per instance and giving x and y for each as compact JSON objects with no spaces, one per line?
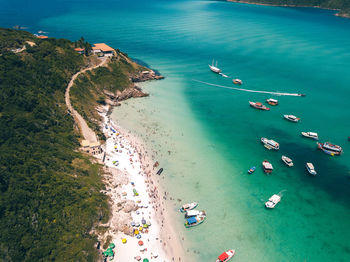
{"x":207,"y":137}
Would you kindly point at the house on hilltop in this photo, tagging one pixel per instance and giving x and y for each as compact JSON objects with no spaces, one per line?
{"x":103,"y":48}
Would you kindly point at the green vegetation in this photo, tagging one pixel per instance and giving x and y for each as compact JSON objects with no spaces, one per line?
{"x":49,"y":193}
{"x":342,"y":5}
{"x":89,"y":88}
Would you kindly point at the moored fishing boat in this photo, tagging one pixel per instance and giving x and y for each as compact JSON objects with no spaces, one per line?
{"x":272,"y":101}
{"x":273,"y":201}
{"x":287,"y":161}
{"x":237,"y":81}
{"x":330,"y":148}
{"x":226,"y":256}
{"x":258,"y":105}
{"x":311,"y":169}
{"x":194,"y":221}
{"x":189,"y":206}
{"x":251,"y":170}
{"x":193,"y":213}
{"x":292,"y":118}
{"x":267,"y":167}
{"x":312,"y":135}
{"x":215,"y":68}
{"x":270,"y":144}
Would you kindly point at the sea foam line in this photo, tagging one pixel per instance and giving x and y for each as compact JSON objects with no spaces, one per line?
{"x":248,"y":90}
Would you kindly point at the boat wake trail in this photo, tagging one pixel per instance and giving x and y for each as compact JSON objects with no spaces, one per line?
{"x":281,"y":193}
{"x":248,"y":90}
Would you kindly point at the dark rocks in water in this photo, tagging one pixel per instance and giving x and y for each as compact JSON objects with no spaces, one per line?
{"x":160,"y":171}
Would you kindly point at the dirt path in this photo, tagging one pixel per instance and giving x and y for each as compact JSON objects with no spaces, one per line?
{"x":86,"y":131}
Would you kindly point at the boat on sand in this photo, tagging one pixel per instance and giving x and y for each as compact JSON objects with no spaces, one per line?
{"x":287,"y":161}
{"x":273,"y":201}
{"x":226,"y":256}
{"x":258,"y":105}
{"x":189,"y":206}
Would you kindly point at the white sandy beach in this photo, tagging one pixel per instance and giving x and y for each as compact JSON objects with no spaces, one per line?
{"x":130,"y":169}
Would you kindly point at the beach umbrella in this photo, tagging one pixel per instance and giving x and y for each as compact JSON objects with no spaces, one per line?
{"x":140,"y":228}
{"x":132,"y":223}
{"x":137,"y":224}
{"x":145,"y":225}
{"x":111,"y":245}
{"x":124,"y":241}
{"x":138,"y":236}
{"x":143,"y":221}
{"x":140,"y":243}
{"x":136,"y":232}
{"x":145,"y":260}
{"x":138,"y":258}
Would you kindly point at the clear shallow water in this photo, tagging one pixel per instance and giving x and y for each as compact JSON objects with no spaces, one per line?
{"x":212,"y":134}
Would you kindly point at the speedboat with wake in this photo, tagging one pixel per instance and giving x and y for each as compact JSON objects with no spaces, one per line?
{"x":330,"y":149}
{"x":226,"y":256}
{"x":287,"y":161}
{"x":189,"y":206}
{"x":215,"y":68}
{"x":311,"y":135}
{"x":292,"y":118}
{"x":270,"y":144}
{"x":258,"y":105}
{"x":273,"y":201}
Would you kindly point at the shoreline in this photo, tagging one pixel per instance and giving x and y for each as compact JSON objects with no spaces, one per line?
{"x":161,"y":241}
{"x":338,"y":14}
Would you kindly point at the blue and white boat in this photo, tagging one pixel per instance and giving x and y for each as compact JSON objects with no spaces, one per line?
{"x":252,"y":170}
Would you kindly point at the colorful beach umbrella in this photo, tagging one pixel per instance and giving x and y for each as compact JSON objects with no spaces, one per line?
{"x":138,"y":258}
{"x":145,"y":260}
{"x":140,"y":243}
{"x":124,"y":240}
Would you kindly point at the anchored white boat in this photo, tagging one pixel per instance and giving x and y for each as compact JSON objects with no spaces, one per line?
{"x":189,"y":206}
{"x":215,"y":68}
{"x":287,"y":161}
{"x":195,"y":221}
{"x":312,"y":135}
{"x":226,"y":256}
{"x":311,"y":169}
{"x":270,"y":144}
{"x":193,"y":213}
{"x":291,"y":118}
{"x":272,"y":101}
{"x":330,"y":148}
{"x":267,"y":167}
{"x":273,"y":201}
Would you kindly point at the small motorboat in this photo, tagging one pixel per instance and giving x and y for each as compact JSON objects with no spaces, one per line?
{"x":215,"y":68}
{"x":312,"y":135}
{"x":272,"y":101}
{"x":330,"y":148}
{"x":287,"y":161}
{"x":292,"y":118}
{"x":267,"y":167}
{"x":195,"y":221}
{"x":270,"y":144}
{"x":226,"y":256}
{"x":189,"y":206}
{"x":159,"y":171}
{"x":193,"y":213}
{"x":273,"y":201}
{"x":237,"y":81}
{"x":251,"y":170}
{"x":258,"y":105}
{"x":311,"y":169}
